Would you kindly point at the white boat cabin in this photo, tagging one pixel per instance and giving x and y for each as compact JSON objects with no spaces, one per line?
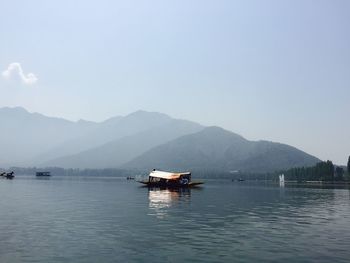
{"x":168,"y":177}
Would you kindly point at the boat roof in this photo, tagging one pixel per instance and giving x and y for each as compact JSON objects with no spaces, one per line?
{"x":167,"y":175}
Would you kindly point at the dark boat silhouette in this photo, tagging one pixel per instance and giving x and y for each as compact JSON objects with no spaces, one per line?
{"x":43,"y":174}
{"x":9,"y":175}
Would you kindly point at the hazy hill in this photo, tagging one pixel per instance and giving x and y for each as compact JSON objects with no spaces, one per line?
{"x":24,"y":135}
{"x":119,"y":151}
{"x":28,"y":139}
{"x":107,"y":131}
{"x":217,"y":149}
{"x":141,"y":140}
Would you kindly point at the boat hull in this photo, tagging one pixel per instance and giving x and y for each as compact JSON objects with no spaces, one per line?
{"x":170,"y":185}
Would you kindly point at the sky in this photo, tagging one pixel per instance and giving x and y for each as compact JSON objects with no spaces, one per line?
{"x":272,"y":70}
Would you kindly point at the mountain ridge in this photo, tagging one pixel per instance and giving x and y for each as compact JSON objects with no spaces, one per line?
{"x":25,"y":135}
{"x":218,"y":149}
{"x":114,"y":153}
{"x":140,"y":139}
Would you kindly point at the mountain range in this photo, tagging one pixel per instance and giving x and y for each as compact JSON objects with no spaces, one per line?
{"x":140,"y":140}
{"x":215,"y":149}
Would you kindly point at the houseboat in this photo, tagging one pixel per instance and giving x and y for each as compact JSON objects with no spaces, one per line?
{"x":169,"y":180}
{"x":43,"y":174}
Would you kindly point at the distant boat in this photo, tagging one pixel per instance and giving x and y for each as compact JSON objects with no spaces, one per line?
{"x":238,"y":180}
{"x":9,"y":175}
{"x":281,"y":179}
{"x":170,"y":180}
{"x":43,"y":174}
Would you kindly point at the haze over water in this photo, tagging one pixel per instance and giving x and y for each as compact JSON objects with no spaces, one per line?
{"x":272,"y":70}
{"x":90,"y":219}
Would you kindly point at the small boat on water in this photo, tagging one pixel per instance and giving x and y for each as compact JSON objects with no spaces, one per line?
{"x":170,"y":180}
{"x":9,"y":175}
{"x":43,"y":174}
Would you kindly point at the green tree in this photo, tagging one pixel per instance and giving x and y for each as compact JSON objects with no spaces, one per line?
{"x":329,"y":171}
{"x":339,"y":173}
{"x":349,"y":165}
{"x":321,"y":171}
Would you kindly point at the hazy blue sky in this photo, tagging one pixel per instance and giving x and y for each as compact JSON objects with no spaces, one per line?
{"x":275,"y":70}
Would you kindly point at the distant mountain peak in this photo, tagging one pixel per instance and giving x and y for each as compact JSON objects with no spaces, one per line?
{"x":214,"y":148}
{"x":14,"y":109}
{"x":25,"y":113}
{"x":142,"y":113}
{"x":214,"y":129}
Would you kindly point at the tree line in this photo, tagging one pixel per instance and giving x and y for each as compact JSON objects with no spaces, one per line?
{"x":322,"y":171}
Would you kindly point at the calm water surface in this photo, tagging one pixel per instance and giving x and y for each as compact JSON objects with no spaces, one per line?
{"x":114,"y":220}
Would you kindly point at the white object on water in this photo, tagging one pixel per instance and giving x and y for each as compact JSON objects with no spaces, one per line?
{"x":281,"y":176}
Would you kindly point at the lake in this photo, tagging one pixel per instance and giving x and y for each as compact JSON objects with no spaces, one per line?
{"x":91,"y":219}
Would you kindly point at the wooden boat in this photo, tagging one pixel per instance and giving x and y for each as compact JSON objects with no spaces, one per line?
{"x":43,"y":174}
{"x":170,"y":180}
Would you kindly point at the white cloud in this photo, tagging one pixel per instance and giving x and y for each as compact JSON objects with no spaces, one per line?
{"x":15,"y":71}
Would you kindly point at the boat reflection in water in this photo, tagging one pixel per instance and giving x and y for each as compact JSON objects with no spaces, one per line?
{"x":161,"y":200}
